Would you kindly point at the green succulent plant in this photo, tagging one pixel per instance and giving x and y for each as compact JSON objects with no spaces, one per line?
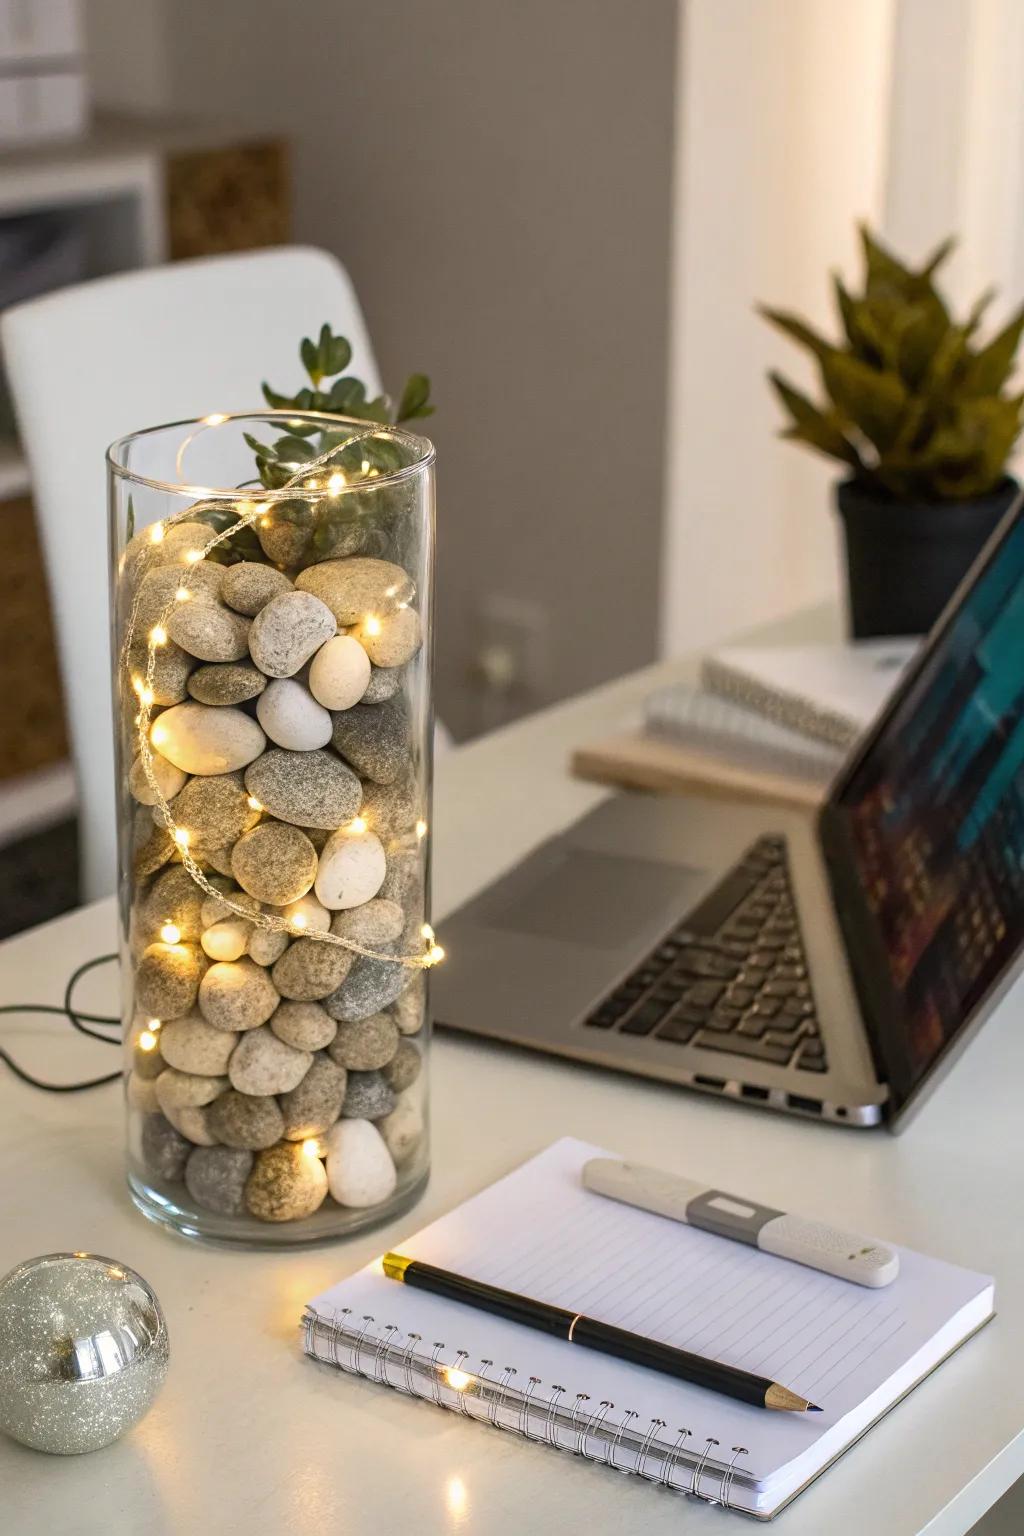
{"x":916,"y":408}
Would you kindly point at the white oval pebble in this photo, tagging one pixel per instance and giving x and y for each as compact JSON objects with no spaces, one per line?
{"x":351,"y":869}
{"x":204,"y":739}
{"x":227,"y":939}
{"x":307,"y":915}
{"x":402,"y":1130}
{"x":168,"y":778}
{"x":292,"y":717}
{"x":360,"y":1171}
{"x":339,"y":673}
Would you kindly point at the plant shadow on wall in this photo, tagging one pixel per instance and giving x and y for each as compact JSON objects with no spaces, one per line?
{"x":919,"y":412}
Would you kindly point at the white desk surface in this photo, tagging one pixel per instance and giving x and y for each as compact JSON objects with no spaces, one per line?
{"x":248,"y":1438}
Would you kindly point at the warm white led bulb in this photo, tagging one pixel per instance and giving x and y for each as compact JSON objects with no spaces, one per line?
{"x":371,"y":625}
{"x":158,"y":635}
{"x":156,"y":533}
{"x":336,"y":483}
{"x":181,"y":837}
{"x":170,"y":933}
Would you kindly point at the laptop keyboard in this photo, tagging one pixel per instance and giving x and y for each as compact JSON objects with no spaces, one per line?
{"x":732,"y":976}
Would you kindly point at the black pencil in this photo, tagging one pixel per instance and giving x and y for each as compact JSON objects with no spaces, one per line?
{"x":760,"y":1391}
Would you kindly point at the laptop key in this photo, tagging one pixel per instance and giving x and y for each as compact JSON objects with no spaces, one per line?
{"x":679,"y":1030}
{"x":739,"y":1045}
{"x":705,"y":962}
{"x":704,"y":994}
{"x":643,"y":1019}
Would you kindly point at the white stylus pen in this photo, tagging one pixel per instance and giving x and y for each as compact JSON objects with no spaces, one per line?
{"x":813,"y":1243}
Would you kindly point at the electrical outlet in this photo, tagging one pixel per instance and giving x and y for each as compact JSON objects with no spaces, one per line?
{"x":511,"y":651}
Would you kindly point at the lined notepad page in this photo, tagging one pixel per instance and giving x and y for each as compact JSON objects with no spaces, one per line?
{"x":539,"y":1232}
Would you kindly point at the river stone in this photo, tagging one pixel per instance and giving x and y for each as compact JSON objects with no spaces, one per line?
{"x":216,"y":908}
{"x":409,"y":1010}
{"x":318,"y":837}
{"x":384,"y":684}
{"x":404,"y":880}
{"x":140,"y":1094}
{"x":368,"y":988}
{"x":171,"y":669}
{"x":228,"y":682}
{"x":306,"y":1026}
{"x":169,"y":779}
{"x":310,"y":969}
{"x":291,"y":716}
{"x":152,"y":846}
{"x":308,"y":789}
{"x":215,"y":809}
{"x":240,"y":1121}
{"x":217,"y":859}
{"x":209,"y":631}
{"x":227,"y":939}
{"x":374,"y":738}
{"x":267,"y":945}
{"x":262,"y":1064}
{"x":250,"y":586}
{"x":376,"y":924}
{"x":404,"y":1067}
{"x":164,"y":1150}
{"x":364,"y":1045}
{"x":339,"y":673}
{"x":143,"y":553}
{"x":312,"y":1107}
{"x":157,"y":594}
{"x":237,"y":995}
{"x":367,"y":1097}
{"x":174,"y":898}
{"x":402,"y":1130}
{"x":167,"y":980}
{"x":391,"y":809}
{"x":215,"y":1178}
{"x":192,"y":1121}
{"x":192,"y":1045}
{"x":287,"y":1183}
{"x":360,"y":1171}
{"x":175,"y":1089}
{"x":354,"y":588}
{"x":307,"y":913}
{"x":147,"y":1064}
{"x":393,"y":640}
{"x":288,"y":631}
{"x":202,"y":739}
{"x":274,"y":862}
{"x":351,"y":869}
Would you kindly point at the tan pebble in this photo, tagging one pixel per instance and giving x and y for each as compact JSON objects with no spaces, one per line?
{"x":287,"y":1183}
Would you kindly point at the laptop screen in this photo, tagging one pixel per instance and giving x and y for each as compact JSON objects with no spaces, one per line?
{"x":932,"y":817}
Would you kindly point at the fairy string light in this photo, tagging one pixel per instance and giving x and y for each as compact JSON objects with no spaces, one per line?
{"x":247,"y":512}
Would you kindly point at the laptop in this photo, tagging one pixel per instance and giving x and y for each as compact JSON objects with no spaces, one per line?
{"x":830,"y":962}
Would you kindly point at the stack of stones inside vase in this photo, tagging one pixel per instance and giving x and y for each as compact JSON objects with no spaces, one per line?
{"x":271,"y":1075}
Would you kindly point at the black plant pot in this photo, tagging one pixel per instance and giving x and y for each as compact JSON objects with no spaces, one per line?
{"x":904,"y":560}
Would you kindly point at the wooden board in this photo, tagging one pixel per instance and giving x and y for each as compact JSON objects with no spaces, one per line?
{"x":634,"y":761}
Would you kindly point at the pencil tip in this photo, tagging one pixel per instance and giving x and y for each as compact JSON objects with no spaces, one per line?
{"x":813,"y":1408}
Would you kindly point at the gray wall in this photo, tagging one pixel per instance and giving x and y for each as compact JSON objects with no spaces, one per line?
{"x":496,"y":175}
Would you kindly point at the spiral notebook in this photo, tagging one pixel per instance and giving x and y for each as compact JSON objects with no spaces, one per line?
{"x":854,"y":1351}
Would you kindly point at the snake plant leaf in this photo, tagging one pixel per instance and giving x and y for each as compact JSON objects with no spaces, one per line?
{"x":871,"y":399}
{"x":797,"y":329}
{"x":939,"y":256}
{"x":990,"y":368}
{"x":813,"y":426}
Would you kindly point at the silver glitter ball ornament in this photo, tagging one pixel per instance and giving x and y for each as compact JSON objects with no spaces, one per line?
{"x":83,"y":1351}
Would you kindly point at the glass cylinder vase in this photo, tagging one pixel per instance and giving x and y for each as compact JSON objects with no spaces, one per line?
{"x":271,"y":592}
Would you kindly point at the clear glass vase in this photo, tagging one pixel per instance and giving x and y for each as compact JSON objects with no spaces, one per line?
{"x":271,"y":594}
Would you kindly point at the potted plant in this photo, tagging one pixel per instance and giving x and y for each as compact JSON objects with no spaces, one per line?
{"x":920,"y":414}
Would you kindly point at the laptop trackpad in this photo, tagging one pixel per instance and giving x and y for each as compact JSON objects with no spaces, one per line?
{"x":597,"y":899}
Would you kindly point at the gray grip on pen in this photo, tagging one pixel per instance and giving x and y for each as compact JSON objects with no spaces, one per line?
{"x":729,"y":1217}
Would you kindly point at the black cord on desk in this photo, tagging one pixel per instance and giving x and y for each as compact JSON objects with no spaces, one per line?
{"x":78,"y":1020}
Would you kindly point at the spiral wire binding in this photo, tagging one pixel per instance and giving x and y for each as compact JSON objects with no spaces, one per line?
{"x":355,"y":1345}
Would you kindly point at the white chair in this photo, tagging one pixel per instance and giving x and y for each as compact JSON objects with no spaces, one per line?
{"x":101,"y":359}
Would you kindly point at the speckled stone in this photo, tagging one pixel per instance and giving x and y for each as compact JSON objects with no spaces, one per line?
{"x":267,"y":945}
{"x":286,"y":1184}
{"x":215,"y":809}
{"x":307,"y":789}
{"x":216,"y":908}
{"x":167,"y":980}
{"x":174,"y":898}
{"x":376,"y":924}
{"x":209,"y":631}
{"x":226,"y":683}
{"x":393,"y":639}
{"x":217,"y":859}
{"x":306,"y":1026}
{"x":262,"y":1064}
{"x":310,"y":969}
{"x":192,"y":1045}
{"x":368,"y":988}
{"x":367,"y":1097}
{"x":227,"y":939}
{"x":403,"y":1129}
{"x":374,"y":738}
{"x":404,"y":879}
{"x":169,"y":779}
{"x":404,"y":1067}
{"x":192,"y":1122}
{"x":360,"y":1170}
{"x":383,"y":685}
{"x":215,"y":1178}
{"x":140,"y":1094}
{"x":204,"y":739}
{"x":274,"y":862}
{"x":171,"y":670}
{"x":409,"y":1010}
{"x":364,"y":1045}
{"x":175,"y":1089}
{"x":243,"y":1122}
{"x":152,"y":846}
{"x":157,"y":592}
{"x":164,"y":1150}
{"x":357,"y":587}
{"x":391,"y":809}
{"x":312,"y":1107}
{"x":143,"y":554}
{"x":288,"y":631}
{"x":237,"y":996}
{"x":286,"y":537}
{"x":250,"y":586}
